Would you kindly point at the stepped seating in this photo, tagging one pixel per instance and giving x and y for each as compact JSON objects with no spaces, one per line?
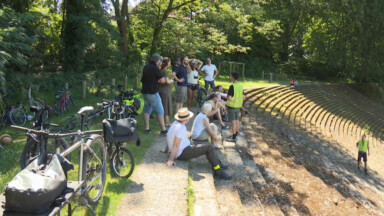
{"x":318,"y":112}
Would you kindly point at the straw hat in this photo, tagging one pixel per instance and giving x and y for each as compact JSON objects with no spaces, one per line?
{"x":5,"y":139}
{"x":183,"y":114}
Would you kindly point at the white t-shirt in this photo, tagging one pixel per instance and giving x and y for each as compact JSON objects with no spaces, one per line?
{"x":219,"y":94}
{"x":210,"y":71}
{"x":198,"y":126}
{"x":179,"y":130}
{"x":191,"y":77}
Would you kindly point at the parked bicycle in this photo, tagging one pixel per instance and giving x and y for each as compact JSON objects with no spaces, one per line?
{"x":92,"y":164}
{"x":121,"y":159}
{"x":14,"y":114}
{"x":200,"y":95}
{"x":63,"y":96}
{"x":32,"y":149}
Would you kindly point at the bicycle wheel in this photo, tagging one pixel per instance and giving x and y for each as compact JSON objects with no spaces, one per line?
{"x":122,"y":162}
{"x":18,"y":116}
{"x":32,"y":150}
{"x":201,"y":94}
{"x":94,"y":169}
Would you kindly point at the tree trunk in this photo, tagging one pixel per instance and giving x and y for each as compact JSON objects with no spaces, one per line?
{"x":121,"y":20}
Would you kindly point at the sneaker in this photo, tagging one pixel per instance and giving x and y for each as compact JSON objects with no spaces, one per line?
{"x":164,"y":132}
{"x":149,"y":131}
{"x":230,"y":139}
{"x":223,"y":166}
{"x":221,"y":174}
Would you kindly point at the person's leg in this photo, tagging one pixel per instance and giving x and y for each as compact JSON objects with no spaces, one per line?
{"x":214,"y":129}
{"x":166,"y":120}
{"x":179,"y":99}
{"x":189,"y":98}
{"x":206,"y":85}
{"x":159,"y":110}
{"x":365,"y":162}
{"x":147,"y":111}
{"x":194,"y":151}
{"x":358,"y":160}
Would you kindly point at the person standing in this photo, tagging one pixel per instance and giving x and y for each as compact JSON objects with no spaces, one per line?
{"x":180,"y":74}
{"x":150,"y":80}
{"x":210,"y":72}
{"x":193,"y":81}
{"x":363,"y":146}
{"x":181,"y":147}
{"x":235,"y":99}
{"x":166,"y":90}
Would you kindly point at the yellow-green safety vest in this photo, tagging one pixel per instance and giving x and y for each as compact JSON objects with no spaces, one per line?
{"x":237,"y":99}
{"x":363,"y":146}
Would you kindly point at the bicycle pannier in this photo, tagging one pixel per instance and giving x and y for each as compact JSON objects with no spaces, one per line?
{"x":36,"y":188}
{"x":120,"y":130}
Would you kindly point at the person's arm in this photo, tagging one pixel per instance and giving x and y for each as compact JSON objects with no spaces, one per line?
{"x":230,"y":93}
{"x":200,"y":64}
{"x":216,"y":73}
{"x":201,"y":71}
{"x":160,"y":77}
{"x":209,"y":129}
{"x":177,"y":79}
{"x":175,"y":149}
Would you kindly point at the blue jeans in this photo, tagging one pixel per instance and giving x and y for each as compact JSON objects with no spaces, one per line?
{"x":153,"y":101}
{"x":209,"y":83}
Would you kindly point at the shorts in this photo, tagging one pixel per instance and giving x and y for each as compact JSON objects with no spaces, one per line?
{"x":181,"y":94}
{"x":233,"y":114}
{"x":362,"y":155}
{"x":193,"y":87}
{"x":209,"y":83}
{"x":153,"y":101}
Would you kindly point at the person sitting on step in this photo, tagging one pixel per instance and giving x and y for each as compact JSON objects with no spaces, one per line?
{"x":216,"y":109}
{"x":182,"y":149}
{"x":202,"y":129}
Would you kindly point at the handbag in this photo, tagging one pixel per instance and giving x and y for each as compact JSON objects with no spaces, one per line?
{"x":120,"y":130}
{"x":35,"y":189}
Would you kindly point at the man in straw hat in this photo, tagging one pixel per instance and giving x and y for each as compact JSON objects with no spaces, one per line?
{"x":182,"y":148}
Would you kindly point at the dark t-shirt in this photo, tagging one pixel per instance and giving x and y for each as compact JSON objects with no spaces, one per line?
{"x":181,"y":72}
{"x":151,"y":74}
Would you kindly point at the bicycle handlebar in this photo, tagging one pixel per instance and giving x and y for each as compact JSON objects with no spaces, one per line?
{"x":56,"y":135}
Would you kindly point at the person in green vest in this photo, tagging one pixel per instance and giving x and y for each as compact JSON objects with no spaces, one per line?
{"x":363,"y":146}
{"x":234,"y":103}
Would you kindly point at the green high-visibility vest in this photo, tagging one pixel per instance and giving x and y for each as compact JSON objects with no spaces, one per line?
{"x":237,"y":99}
{"x":363,"y":146}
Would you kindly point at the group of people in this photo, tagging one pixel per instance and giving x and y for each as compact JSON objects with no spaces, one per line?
{"x":157,"y":81}
{"x":156,"y":89}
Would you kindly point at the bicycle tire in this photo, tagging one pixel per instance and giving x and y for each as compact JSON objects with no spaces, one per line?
{"x":201,"y":94}
{"x":18,"y":116}
{"x":94,"y":169}
{"x":31,"y":150}
{"x":122,"y":162}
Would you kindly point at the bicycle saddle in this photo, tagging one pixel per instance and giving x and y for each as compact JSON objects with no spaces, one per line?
{"x":85,"y":109}
{"x":35,"y":108}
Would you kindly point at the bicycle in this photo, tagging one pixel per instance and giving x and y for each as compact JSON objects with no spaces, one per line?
{"x":63,"y":97}
{"x":14,"y":114}
{"x":200,"y":95}
{"x":31,"y":149}
{"x":92,"y":164}
{"x":121,"y":159}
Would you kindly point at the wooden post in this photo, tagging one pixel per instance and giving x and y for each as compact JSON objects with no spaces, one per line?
{"x":230,"y":70}
{"x":84,"y":89}
{"x":125,"y":82}
{"x":243,"y":71}
{"x":66,"y":85}
{"x":262,"y":75}
{"x":270,"y":77}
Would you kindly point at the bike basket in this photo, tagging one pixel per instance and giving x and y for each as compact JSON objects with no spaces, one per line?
{"x":120,"y":130}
